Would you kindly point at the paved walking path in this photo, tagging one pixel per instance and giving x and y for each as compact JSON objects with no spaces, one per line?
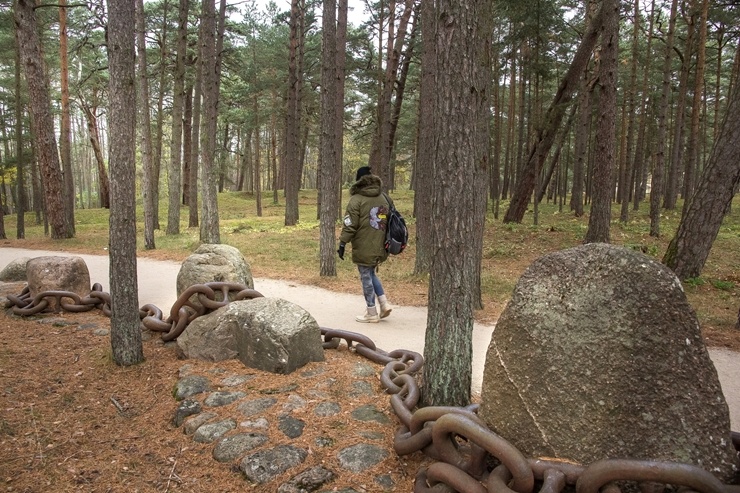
{"x":404,"y":329}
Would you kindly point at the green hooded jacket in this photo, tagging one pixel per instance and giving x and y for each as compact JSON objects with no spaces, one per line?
{"x":365,"y":221}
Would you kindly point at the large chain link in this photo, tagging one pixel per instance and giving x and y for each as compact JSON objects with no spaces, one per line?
{"x":456,"y":437}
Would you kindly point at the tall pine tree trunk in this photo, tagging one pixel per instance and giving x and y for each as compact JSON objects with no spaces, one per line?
{"x":328,"y":156}
{"x":174,"y":171}
{"x":689,"y":249}
{"x":553,"y":118}
{"x":209,"y":227}
{"x":600,"y":217}
{"x":125,"y":332}
{"x":656,"y":189}
{"x":293,"y":118}
{"x":462,"y":34}
{"x":43,"y":121}
{"x":145,"y":131}
{"x":425,"y":144}
{"x":65,"y":134}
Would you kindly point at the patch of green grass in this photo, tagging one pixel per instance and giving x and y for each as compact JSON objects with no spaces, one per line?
{"x":694,"y":282}
{"x":723,"y":285}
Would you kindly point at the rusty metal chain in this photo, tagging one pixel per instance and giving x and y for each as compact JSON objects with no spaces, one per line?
{"x":210,"y":297}
{"x":454,"y":436}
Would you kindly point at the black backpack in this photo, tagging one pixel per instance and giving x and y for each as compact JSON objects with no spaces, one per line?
{"x":396,"y":233}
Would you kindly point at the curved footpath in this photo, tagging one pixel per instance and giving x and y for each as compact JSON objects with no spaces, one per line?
{"x":404,"y":329}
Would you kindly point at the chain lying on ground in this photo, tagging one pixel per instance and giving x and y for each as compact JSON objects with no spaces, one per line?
{"x":183,"y":312}
{"x":456,"y":437}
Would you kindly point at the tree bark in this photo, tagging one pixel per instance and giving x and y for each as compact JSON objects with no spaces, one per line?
{"x":693,"y":149}
{"x":209,"y":228}
{"x":689,"y":249}
{"x":553,"y":118}
{"x":425,"y":144}
{"x":380,"y":154}
{"x":125,"y":332}
{"x":293,"y":118}
{"x":157,"y":161}
{"x":175,"y":169}
{"x":93,"y":134}
{"x":656,"y":189}
{"x":671,"y":188}
{"x":329,"y":168}
{"x":600,"y":217}
{"x":21,"y":165}
{"x":462,"y":31}
{"x":65,"y":136}
{"x":626,"y":160}
{"x":145,"y":132}
{"x":27,"y":38}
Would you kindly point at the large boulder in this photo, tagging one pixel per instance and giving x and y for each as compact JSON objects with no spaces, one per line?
{"x":599,"y":355}
{"x":57,"y":274}
{"x":214,"y":263}
{"x":15,"y":271}
{"x":268,"y":334}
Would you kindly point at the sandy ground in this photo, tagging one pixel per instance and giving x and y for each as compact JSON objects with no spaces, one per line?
{"x":404,"y":329}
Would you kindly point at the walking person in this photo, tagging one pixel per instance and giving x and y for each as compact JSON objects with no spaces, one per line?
{"x":364,"y":227}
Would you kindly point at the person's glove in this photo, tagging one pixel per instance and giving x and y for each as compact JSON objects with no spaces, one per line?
{"x":340,"y":252}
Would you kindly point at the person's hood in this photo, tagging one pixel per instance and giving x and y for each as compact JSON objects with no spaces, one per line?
{"x":368,"y":185}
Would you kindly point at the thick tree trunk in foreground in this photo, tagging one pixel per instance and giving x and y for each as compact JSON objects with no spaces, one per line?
{"x":125,"y":332}
{"x":461,"y":33}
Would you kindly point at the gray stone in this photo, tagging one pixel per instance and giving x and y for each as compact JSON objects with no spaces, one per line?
{"x":307,"y":481}
{"x":255,"y":406}
{"x":324,"y":442}
{"x":185,"y":409}
{"x":258,"y":424}
{"x":290,"y":426}
{"x":360,"y":457}
{"x":192,"y":424}
{"x":56,"y":322}
{"x":234,"y":446}
{"x":325,"y":409}
{"x":372,"y":435}
{"x":15,"y":270}
{"x":280,"y":390}
{"x":101,"y":332}
{"x":361,"y":388}
{"x":191,"y":385}
{"x":217,"y":399}
{"x":385,"y":481}
{"x":369,"y":412}
{"x":210,"y":432}
{"x":364,"y":370}
{"x":214,"y":263}
{"x":265,"y":333}
{"x":598,"y":355}
{"x":235,"y":380}
{"x":58,"y":274}
{"x":265,"y":465}
{"x":295,"y":401}
{"x":319,"y":370}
